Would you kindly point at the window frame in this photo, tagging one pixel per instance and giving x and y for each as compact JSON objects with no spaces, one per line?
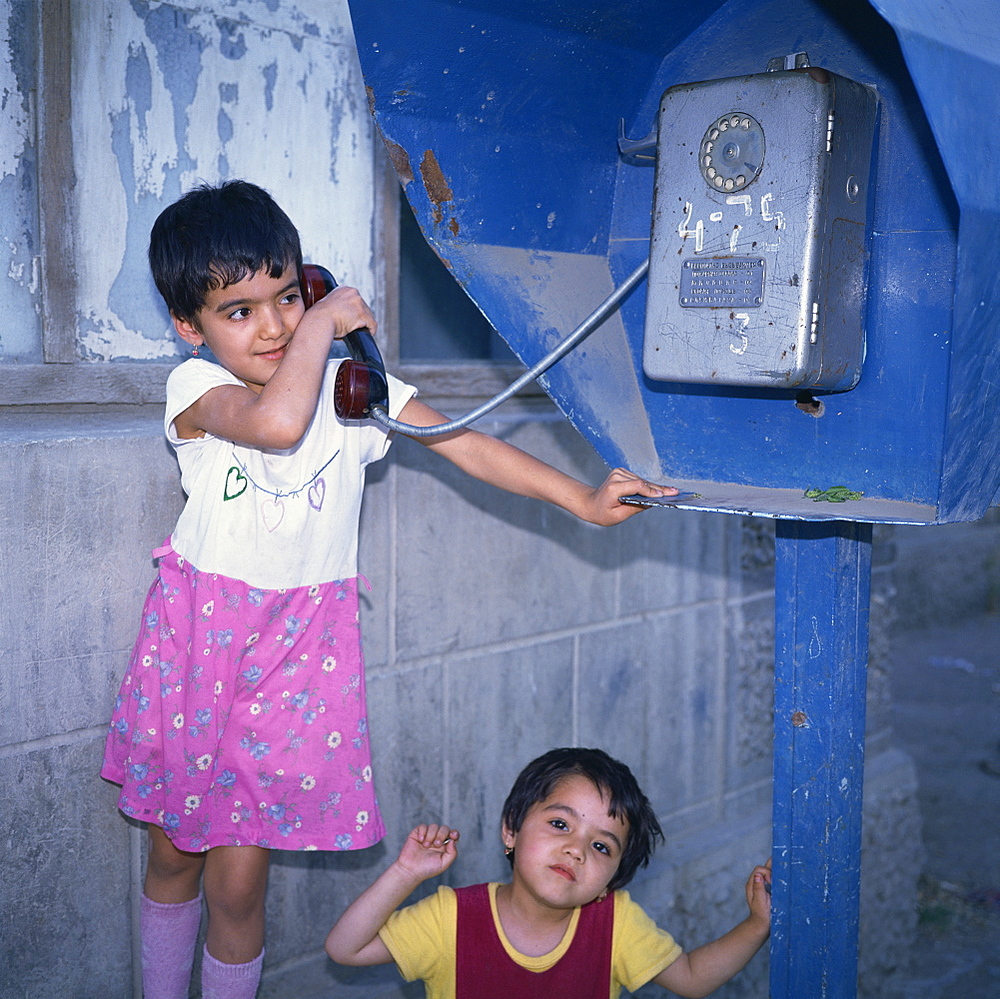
{"x":62,"y":378}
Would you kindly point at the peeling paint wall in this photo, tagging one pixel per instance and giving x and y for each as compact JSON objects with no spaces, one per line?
{"x":173,"y":95}
{"x":166,"y":96}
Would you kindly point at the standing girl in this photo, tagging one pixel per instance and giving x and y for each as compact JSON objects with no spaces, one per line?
{"x":240,"y":726}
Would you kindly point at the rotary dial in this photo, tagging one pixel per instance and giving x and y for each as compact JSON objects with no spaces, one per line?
{"x":732,"y":152}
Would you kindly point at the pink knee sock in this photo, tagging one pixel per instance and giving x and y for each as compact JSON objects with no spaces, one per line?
{"x":229,"y":981}
{"x":169,"y":934}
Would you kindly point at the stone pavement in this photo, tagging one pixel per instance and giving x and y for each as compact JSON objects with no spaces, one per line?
{"x":946,"y":690}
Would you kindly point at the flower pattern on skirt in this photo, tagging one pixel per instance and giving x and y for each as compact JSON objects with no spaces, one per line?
{"x":241,"y":720}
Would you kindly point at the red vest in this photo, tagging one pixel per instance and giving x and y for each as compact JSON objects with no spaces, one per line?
{"x":483,"y":969}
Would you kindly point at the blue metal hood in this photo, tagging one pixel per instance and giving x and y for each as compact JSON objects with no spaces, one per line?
{"x":503,"y":128}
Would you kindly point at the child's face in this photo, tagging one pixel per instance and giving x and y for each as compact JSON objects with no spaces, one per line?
{"x":568,"y":847}
{"x":248,"y":325}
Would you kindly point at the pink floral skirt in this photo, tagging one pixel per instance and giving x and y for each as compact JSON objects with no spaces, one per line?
{"x":241,"y":720}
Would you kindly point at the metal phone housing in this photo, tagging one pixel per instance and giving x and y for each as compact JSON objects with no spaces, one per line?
{"x":759,"y":241}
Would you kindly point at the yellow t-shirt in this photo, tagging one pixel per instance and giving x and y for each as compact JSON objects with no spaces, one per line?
{"x":421,"y":939}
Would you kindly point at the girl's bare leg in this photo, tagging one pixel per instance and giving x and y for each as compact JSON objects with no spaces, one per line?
{"x":172,"y":875}
{"x":235,"y":886}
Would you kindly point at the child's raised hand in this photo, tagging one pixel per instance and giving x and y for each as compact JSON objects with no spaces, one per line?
{"x":429,"y":851}
{"x":759,"y":892}
{"x":354,"y":940}
{"x":605,"y":506}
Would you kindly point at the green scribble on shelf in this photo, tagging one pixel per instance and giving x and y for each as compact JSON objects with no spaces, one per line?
{"x":835,"y":494}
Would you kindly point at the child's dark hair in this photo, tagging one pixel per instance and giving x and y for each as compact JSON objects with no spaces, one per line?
{"x":213,"y":237}
{"x":612,"y":778}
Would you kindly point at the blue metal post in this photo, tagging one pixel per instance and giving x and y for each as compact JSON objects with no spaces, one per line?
{"x":822,"y":586}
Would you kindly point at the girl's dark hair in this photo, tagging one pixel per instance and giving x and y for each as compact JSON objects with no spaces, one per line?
{"x":213,"y":237}
{"x":612,"y":778}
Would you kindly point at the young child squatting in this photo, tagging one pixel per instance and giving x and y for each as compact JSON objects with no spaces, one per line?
{"x":576,"y":827}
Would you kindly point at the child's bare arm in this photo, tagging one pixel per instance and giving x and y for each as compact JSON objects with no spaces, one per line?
{"x":280,"y":413}
{"x":428,"y":851}
{"x":501,"y":464}
{"x":705,"y":968}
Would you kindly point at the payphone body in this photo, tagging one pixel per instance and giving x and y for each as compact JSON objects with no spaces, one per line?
{"x":758,"y":247}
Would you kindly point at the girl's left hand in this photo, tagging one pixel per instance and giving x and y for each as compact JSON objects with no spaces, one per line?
{"x":604,"y":502}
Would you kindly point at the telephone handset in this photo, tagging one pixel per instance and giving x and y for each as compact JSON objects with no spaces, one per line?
{"x":358,"y":379}
{"x":361,"y":383}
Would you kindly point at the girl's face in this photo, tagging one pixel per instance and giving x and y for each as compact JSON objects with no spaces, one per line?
{"x":248,"y":325}
{"x":568,"y":847}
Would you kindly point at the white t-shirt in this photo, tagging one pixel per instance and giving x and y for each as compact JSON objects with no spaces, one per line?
{"x":274,"y":519}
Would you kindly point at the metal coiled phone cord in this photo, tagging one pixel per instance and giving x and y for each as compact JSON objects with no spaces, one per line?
{"x":583,"y":330}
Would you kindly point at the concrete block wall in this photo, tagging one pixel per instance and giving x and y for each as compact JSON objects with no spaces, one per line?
{"x":496,"y":628}
{"x":84,"y":500}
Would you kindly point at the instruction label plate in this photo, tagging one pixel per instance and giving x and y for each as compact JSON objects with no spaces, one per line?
{"x":722,"y":283}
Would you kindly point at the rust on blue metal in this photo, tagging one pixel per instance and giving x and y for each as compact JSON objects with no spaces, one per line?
{"x":502,"y":121}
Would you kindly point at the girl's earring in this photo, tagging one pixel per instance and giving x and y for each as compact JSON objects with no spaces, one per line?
{"x":508,"y":850}
{"x":194,"y":350}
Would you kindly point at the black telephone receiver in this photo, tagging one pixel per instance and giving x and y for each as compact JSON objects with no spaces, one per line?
{"x":361,"y":381}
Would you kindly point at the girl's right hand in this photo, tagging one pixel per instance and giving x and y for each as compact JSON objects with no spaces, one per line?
{"x":346,"y":309}
{"x":429,"y":850}
{"x":278,"y":352}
